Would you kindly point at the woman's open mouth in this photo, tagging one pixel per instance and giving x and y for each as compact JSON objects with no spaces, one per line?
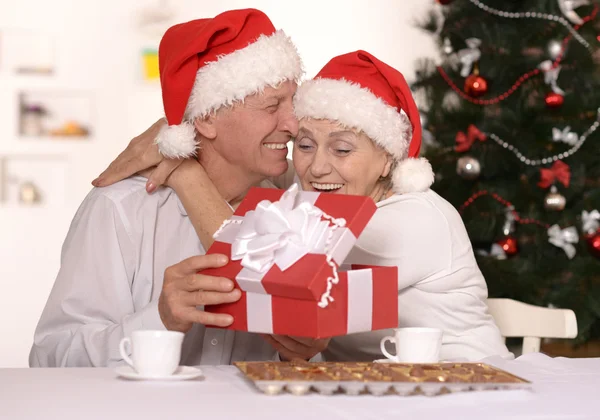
{"x":329,"y":188}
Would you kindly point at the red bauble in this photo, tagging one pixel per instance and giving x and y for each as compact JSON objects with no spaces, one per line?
{"x":509,"y":245}
{"x":475,"y":86}
{"x":593,"y":242}
{"x":444,"y":2}
{"x":554,"y":100}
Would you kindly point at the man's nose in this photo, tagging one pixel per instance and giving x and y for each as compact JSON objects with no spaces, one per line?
{"x":289,"y":122}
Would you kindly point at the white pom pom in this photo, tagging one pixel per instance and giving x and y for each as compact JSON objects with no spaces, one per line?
{"x":177,"y":141}
{"x":412,"y":175}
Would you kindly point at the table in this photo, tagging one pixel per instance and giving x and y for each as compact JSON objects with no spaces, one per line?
{"x":564,"y":389}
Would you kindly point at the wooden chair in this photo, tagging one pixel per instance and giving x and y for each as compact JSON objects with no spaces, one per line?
{"x":518,"y":319}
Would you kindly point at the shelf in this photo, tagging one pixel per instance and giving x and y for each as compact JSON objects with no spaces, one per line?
{"x":33,"y":181}
{"x":51,"y":113}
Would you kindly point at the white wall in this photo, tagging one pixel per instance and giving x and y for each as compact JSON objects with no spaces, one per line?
{"x":97,"y":52}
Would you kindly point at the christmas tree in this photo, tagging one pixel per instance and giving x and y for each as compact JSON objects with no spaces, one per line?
{"x":511,"y":118}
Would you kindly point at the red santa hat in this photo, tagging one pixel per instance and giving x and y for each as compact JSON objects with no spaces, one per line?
{"x":360,"y":91}
{"x":207,"y":63}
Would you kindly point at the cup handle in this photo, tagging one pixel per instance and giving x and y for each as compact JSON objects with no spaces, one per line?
{"x":383,"y":349}
{"x":124,"y":355}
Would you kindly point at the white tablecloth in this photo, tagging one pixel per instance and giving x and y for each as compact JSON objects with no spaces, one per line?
{"x":564,"y":389}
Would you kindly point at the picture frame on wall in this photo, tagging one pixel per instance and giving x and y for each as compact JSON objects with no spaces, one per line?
{"x":26,"y":52}
{"x":55,"y":114}
{"x":32,"y":180}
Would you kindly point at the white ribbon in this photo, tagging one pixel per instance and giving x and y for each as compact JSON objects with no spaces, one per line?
{"x":551,"y":76}
{"x":565,"y":135}
{"x":360,"y":300}
{"x":281,"y":233}
{"x":469,"y":55}
{"x":567,"y":7}
{"x":496,"y":251}
{"x":590,"y":221}
{"x":564,"y":238}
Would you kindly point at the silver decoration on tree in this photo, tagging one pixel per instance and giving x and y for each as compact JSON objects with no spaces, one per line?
{"x":534,"y":15}
{"x":554,"y":49}
{"x":468,"y":56}
{"x":564,"y":239}
{"x":550,"y":159}
{"x":567,"y":8}
{"x":554,"y":200}
{"x":551,"y":73}
{"x":447,"y":47}
{"x":565,"y":135}
{"x":509,"y":221}
{"x":590,"y":221}
{"x":451,"y":101}
{"x":468,"y":167}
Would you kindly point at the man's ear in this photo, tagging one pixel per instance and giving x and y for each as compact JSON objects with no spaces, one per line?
{"x":206,"y":126}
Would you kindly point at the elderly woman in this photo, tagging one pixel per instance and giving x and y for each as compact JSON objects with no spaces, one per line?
{"x":360,"y":134}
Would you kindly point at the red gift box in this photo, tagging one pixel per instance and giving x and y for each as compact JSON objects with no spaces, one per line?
{"x":363,"y":300}
{"x":285,"y":247}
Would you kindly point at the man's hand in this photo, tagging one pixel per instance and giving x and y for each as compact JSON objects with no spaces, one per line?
{"x":183,"y":290}
{"x":140,"y":154}
{"x":294,"y":348}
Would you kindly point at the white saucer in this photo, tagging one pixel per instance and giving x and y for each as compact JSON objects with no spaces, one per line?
{"x":182,"y":373}
{"x":441,"y":361}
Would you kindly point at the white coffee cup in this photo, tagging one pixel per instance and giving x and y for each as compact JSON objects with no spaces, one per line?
{"x":414,"y":345}
{"x":153,"y":353}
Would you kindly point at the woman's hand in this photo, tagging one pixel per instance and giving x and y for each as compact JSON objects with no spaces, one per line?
{"x":141,"y":156}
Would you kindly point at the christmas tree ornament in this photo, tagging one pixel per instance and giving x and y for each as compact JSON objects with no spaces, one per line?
{"x":590,"y":221}
{"x":447,"y":47}
{"x":465,"y":141}
{"x":544,"y":161}
{"x":469,"y":56}
{"x":495,"y":251}
{"x":564,"y":239}
{"x":593,"y":242}
{"x":509,"y":221}
{"x":509,"y":245}
{"x":565,"y":135}
{"x":554,"y":49}
{"x":554,"y":201}
{"x":468,"y":167}
{"x":559,"y":171}
{"x":556,"y":97}
{"x":554,"y":100}
{"x":475,"y":86}
{"x":451,"y":101}
{"x":567,"y":8}
{"x":535,"y":15}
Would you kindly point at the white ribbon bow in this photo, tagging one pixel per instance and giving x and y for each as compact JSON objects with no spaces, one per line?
{"x":551,"y":76}
{"x":567,"y":7}
{"x":564,"y":238}
{"x":496,"y":251}
{"x":565,"y":135}
{"x":469,"y":55}
{"x":280,"y":233}
{"x":590,"y":221}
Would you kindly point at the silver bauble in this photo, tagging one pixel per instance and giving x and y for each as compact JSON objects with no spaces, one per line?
{"x":468,"y":167}
{"x":554,"y":201}
{"x":554,"y":49}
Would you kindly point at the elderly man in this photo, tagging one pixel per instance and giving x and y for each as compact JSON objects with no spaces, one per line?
{"x":130,"y":260}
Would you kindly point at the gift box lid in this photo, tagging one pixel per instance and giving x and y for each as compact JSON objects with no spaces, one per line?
{"x":290,"y":243}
